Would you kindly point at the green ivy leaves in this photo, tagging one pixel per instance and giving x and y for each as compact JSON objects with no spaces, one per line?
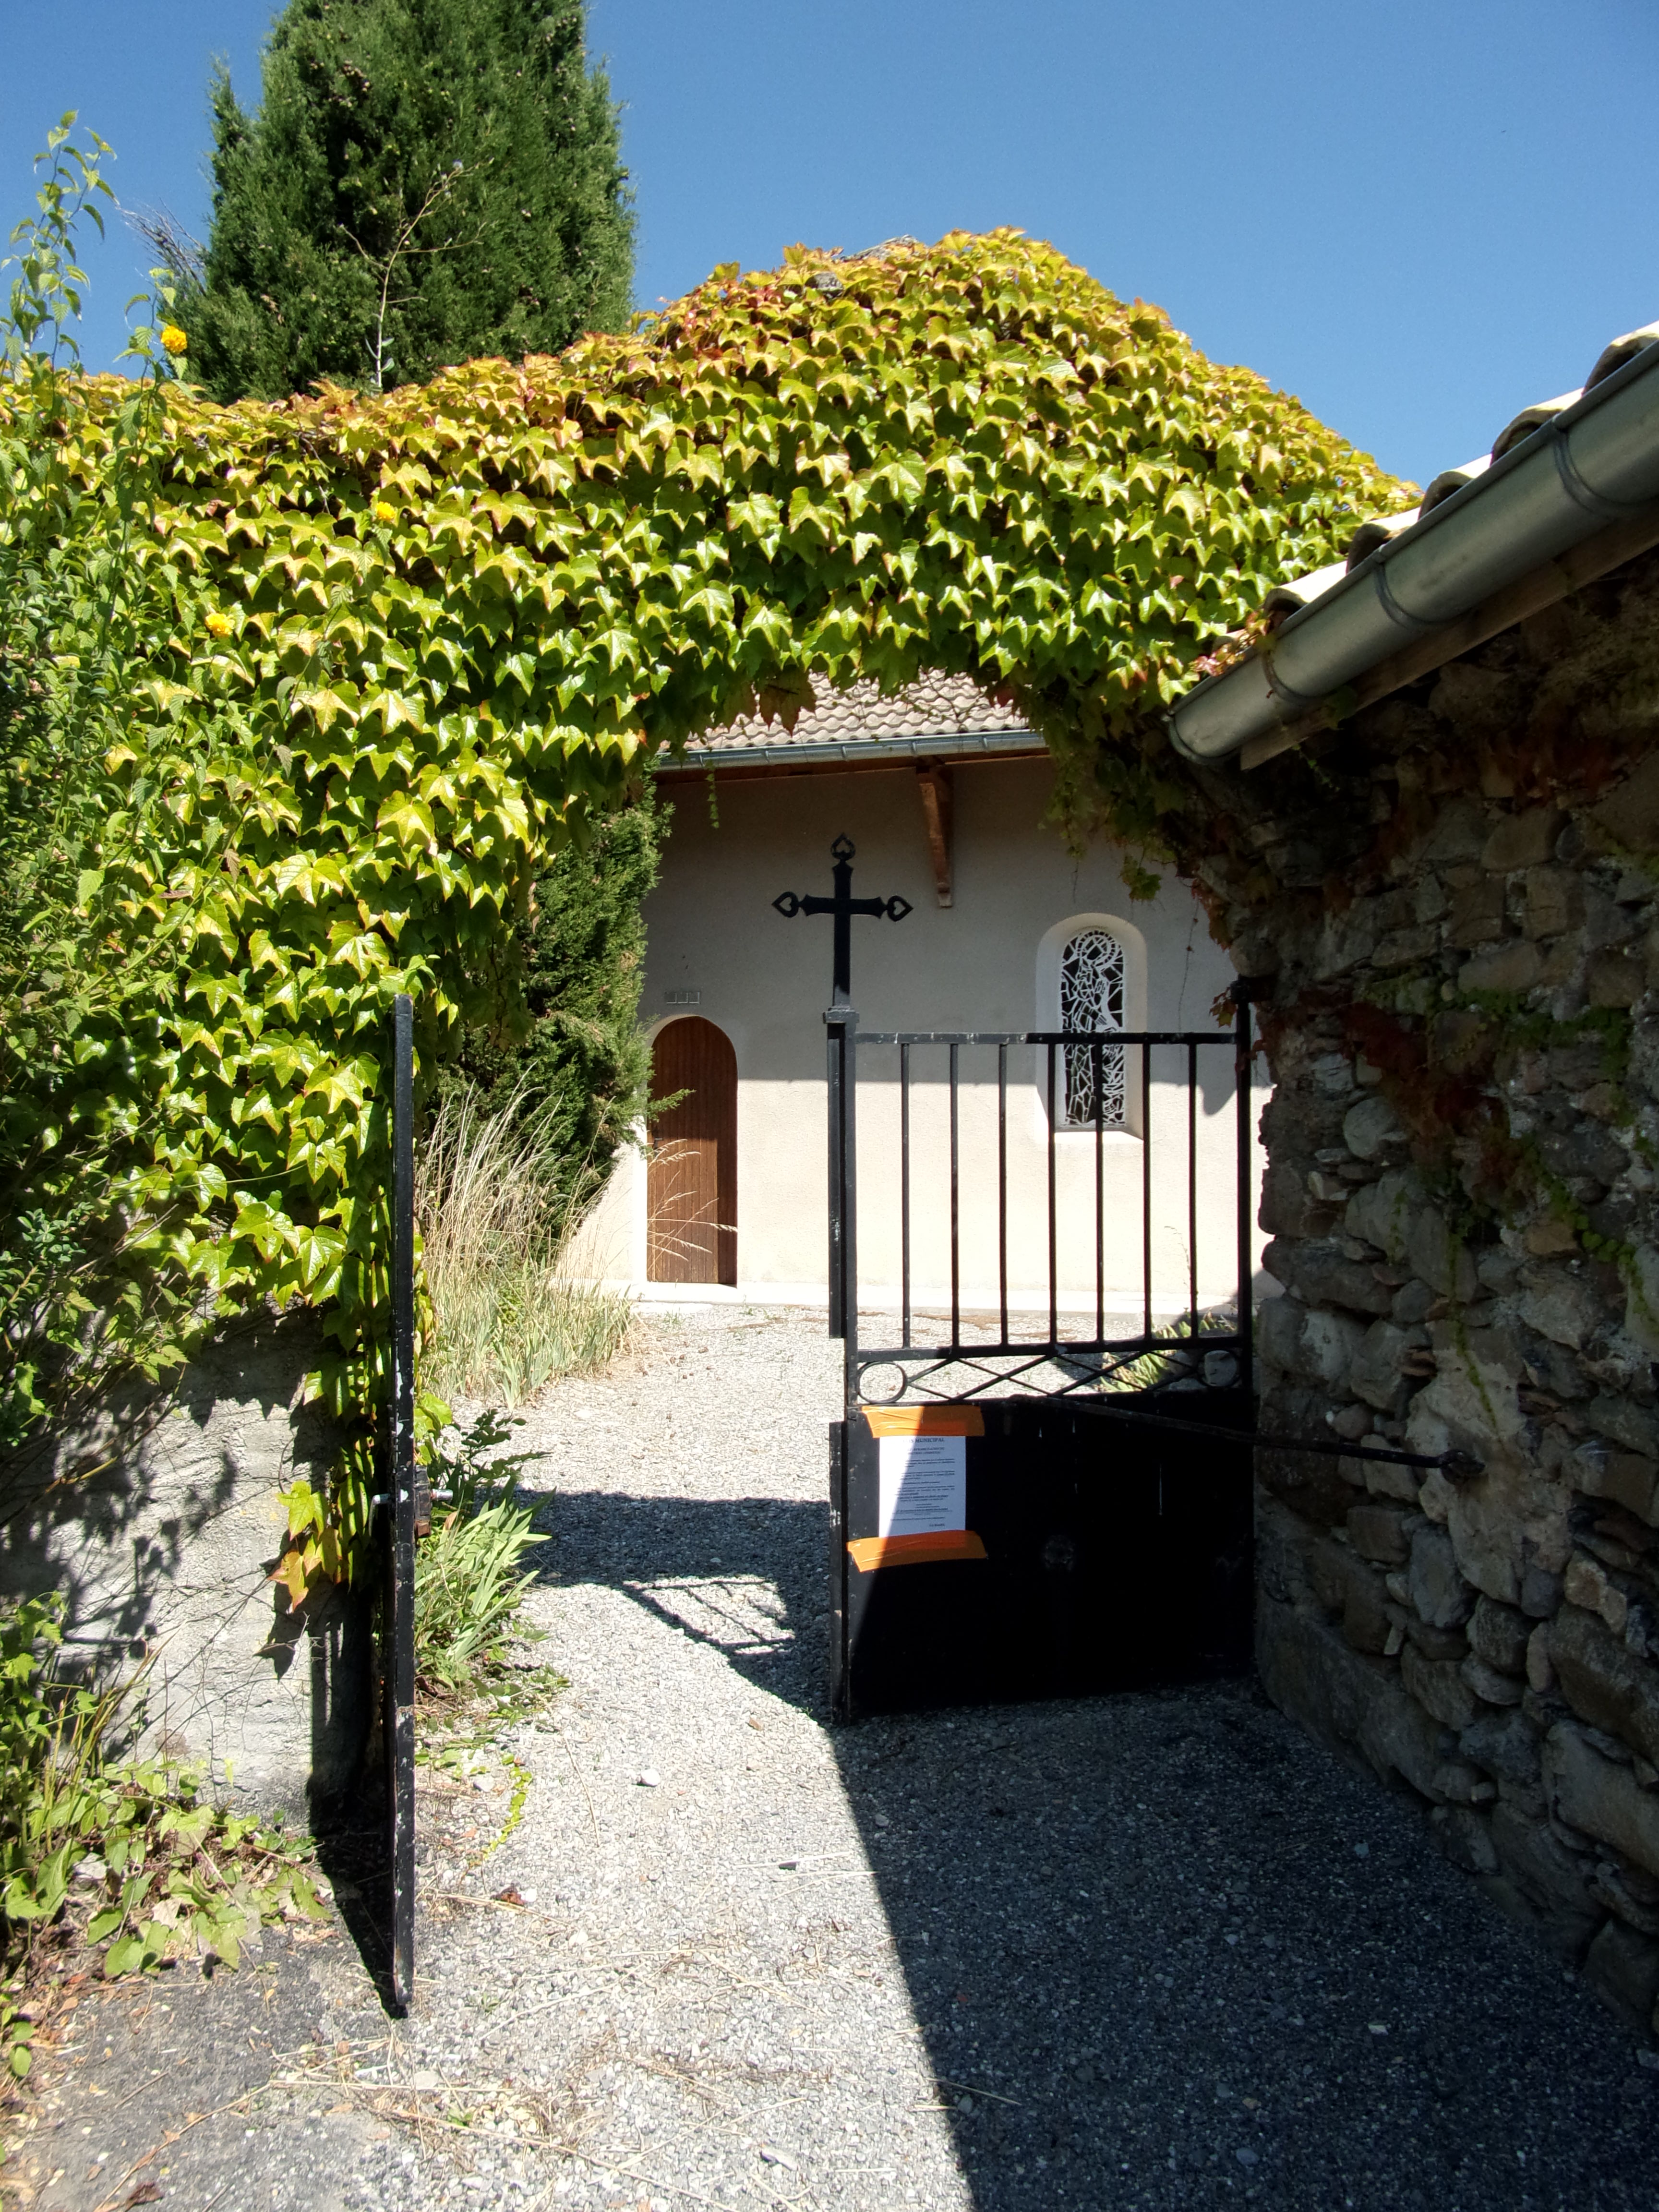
{"x":397,"y":650}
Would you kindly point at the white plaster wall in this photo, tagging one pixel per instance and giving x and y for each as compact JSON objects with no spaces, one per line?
{"x":976,"y":964}
{"x":611,"y":1242}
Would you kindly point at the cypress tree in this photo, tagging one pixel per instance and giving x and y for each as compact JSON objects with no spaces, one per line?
{"x":426,"y":182}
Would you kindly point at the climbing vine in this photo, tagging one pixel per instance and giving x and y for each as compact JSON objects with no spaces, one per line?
{"x":401,"y":649}
{"x":74,"y":1297}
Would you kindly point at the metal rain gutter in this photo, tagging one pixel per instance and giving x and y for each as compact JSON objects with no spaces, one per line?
{"x":1594,"y":464}
{"x":954,"y":745}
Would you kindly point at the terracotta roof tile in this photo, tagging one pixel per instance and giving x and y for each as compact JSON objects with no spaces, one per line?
{"x":932,"y":707}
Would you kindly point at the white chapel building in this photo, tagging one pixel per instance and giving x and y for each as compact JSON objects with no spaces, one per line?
{"x":945,"y":798}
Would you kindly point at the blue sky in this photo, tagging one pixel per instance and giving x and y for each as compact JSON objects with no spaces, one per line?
{"x":1418,"y":215}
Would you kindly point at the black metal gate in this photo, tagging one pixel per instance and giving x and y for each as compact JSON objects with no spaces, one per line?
{"x":1055,"y":1502}
{"x":397,"y":1605}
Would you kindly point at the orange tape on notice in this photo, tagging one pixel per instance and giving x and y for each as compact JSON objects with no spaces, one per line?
{"x":869,"y":1552}
{"x":924,"y":1420}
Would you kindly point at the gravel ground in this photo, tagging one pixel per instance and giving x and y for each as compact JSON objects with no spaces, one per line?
{"x":1146,"y":1952}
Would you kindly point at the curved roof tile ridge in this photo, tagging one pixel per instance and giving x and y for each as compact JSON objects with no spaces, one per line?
{"x":933,"y":705}
{"x":1574,"y":476}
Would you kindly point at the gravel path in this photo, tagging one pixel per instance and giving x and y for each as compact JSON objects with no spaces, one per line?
{"x":1146,"y":1952}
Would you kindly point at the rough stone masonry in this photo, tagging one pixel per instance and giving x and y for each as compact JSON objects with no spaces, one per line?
{"x":1452,"y":907}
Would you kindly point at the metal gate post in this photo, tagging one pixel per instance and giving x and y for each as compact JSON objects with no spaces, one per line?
{"x":1243,"y":1048}
{"x":835,"y":1030}
{"x":841,"y":1022}
{"x":850,"y":1221}
{"x":839,"y":1650}
{"x":400,"y":1664}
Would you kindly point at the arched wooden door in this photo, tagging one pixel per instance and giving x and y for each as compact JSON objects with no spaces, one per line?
{"x":692,"y":1184}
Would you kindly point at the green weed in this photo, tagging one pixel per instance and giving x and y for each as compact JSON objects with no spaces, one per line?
{"x":468,"y":1586}
{"x":108,"y":1850}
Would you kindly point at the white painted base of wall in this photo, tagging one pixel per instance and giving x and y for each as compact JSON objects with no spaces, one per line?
{"x":610,"y":1247}
{"x":927,"y":1304}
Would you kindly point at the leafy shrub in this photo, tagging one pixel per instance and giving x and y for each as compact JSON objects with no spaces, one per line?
{"x":79,"y":1293}
{"x":468,"y":1586}
{"x":52,"y":1795}
{"x":498,"y":1206}
{"x":118,"y":1852}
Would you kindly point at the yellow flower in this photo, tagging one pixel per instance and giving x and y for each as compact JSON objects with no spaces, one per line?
{"x":218,"y":625}
{"x":383,"y":513}
{"x":174,"y":338}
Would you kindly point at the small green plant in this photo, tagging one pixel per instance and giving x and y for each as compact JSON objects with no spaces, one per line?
{"x":469,"y":1586}
{"x":465,"y":1739}
{"x":110,"y":1850}
{"x":1153,"y":1370}
{"x":467,"y":1592}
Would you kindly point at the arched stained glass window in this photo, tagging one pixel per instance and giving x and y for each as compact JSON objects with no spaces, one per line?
{"x":1091,"y":998}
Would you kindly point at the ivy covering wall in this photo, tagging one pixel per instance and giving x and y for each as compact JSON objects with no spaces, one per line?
{"x":400,"y":652}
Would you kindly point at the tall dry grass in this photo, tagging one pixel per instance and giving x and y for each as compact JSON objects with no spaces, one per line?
{"x":496,"y":1232}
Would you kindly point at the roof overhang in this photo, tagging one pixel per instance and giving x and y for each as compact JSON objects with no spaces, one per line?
{"x":851,"y":753}
{"x":1573,"y":498}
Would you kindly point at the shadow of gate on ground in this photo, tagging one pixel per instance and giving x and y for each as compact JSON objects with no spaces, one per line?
{"x":1167,"y":1950}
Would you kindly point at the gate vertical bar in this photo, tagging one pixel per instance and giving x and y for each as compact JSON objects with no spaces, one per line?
{"x":1002,"y":1192}
{"x":841,"y":1024}
{"x":400,"y":1670}
{"x":840,"y":1649}
{"x":1146,"y":1188}
{"x":1100,"y":1193}
{"x":904,"y":1187}
{"x":1053,"y":1274}
{"x":839,"y":1021}
{"x":956,"y":1204}
{"x":849,"y":1228}
{"x":1192,"y":1189}
{"x":1243,"y":1048}
{"x":836,"y":1028}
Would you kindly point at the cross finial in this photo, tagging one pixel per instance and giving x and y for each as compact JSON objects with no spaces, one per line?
{"x":841,"y":907}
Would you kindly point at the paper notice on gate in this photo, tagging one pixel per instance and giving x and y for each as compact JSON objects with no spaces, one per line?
{"x":924,"y":1484}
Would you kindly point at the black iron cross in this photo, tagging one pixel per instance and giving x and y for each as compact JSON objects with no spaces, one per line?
{"x":843,"y":906}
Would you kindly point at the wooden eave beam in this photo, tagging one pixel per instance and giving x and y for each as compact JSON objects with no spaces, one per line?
{"x":938,"y":809}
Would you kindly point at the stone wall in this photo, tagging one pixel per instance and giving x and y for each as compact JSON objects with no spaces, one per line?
{"x":159,"y":1519}
{"x":1453,"y":913}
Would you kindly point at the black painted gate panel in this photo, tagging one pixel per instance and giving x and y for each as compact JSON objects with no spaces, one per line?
{"x":1100,"y":1551}
{"x":1115,"y":1558}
